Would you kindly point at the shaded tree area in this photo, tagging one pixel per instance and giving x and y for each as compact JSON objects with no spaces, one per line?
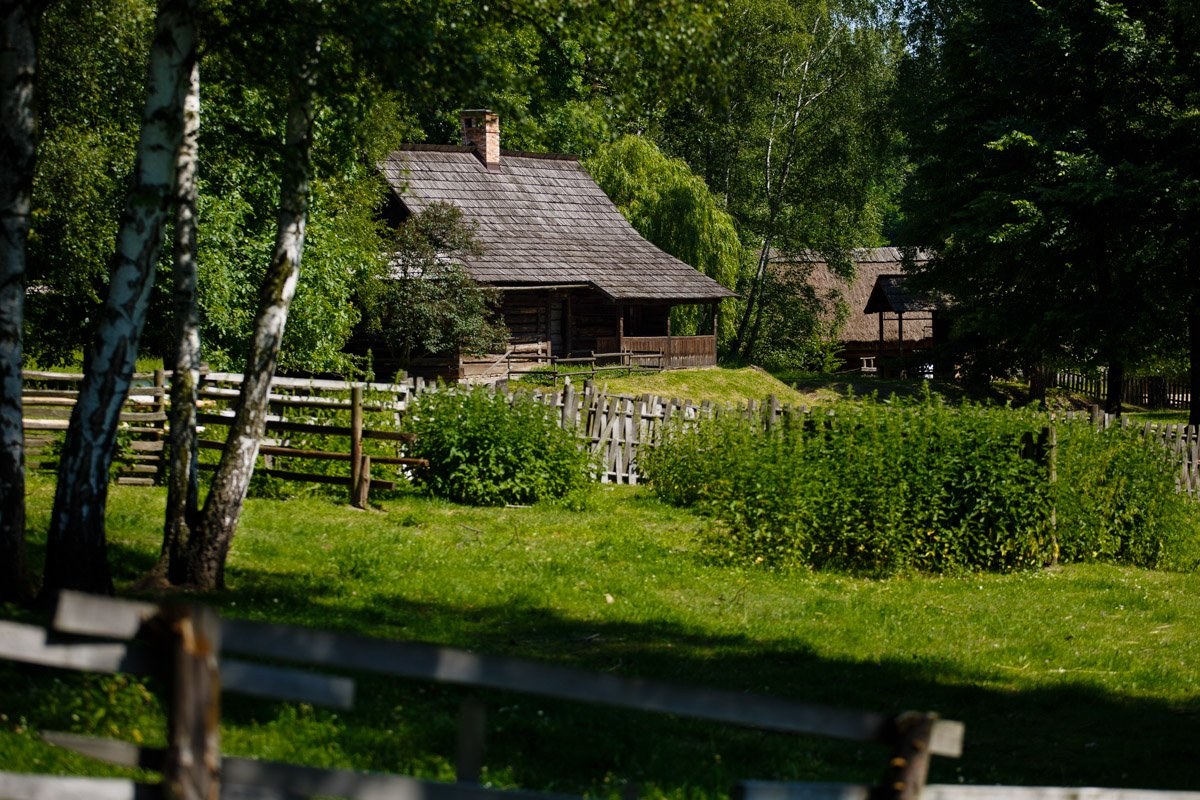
{"x":1053,"y":178}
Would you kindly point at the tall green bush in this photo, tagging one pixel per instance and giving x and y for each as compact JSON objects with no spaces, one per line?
{"x":1116,"y":497}
{"x":484,"y":449}
{"x":870,"y":488}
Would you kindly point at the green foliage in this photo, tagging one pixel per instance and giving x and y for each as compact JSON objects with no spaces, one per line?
{"x":1048,"y":180}
{"x":800,"y":326}
{"x":1116,"y":498}
{"x":485,"y":449}
{"x":867,"y":488}
{"x":425,"y":302}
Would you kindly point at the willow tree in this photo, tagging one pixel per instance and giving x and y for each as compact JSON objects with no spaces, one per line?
{"x":673,"y":208}
{"x":76,"y":547}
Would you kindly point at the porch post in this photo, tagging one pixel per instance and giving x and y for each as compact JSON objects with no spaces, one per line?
{"x":620,"y":329}
{"x":670,"y":354}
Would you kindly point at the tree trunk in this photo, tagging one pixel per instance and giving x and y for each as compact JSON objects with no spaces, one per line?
{"x":183,"y":481}
{"x":18,"y":133}
{"x":76,"y":550}
{"x":1113,"y":389}
{"x":1194,"y":357}
{"x":210,"y":541}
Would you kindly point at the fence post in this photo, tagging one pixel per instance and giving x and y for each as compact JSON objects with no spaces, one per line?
{"x":192,"y":763}
{"x":356,"y":447}
{"x":909,"y":764}
{"x":468,"y":763}
{"x":361,"y":491}
{"x":1050,"y":437}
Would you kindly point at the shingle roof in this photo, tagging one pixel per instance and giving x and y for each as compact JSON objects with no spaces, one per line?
{"x":542,"y":220}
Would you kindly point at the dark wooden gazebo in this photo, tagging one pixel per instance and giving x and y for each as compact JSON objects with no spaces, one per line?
{"x":889,"y":296}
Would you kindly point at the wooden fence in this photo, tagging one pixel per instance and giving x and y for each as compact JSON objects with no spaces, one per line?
{"x":617,"y":428}
{"x":1151,"y":392}
{"x":301,"y":410}
{"x":190,"y":646}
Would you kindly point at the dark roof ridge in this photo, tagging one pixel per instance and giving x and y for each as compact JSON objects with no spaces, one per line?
{"x":465,"y":148}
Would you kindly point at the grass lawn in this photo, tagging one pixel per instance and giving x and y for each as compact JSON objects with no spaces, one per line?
{"x":1081,"y":676}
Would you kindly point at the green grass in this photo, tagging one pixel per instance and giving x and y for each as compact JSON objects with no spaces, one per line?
{"x":1079,"y":676}
{"x":719,"y":385}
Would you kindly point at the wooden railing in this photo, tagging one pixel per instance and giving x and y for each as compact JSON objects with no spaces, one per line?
{"x":679,"y":352}
{"x":189,"y":647}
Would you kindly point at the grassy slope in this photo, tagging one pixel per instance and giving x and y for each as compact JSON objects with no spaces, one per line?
{"x":1081,"y":676}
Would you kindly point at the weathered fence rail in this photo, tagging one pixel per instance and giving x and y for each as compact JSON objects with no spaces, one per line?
{"x":189,"y":645}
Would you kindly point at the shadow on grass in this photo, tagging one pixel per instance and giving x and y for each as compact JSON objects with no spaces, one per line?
{"x":1065,"y":736}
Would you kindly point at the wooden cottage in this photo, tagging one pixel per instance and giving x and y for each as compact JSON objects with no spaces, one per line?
{"x":574,"y":275}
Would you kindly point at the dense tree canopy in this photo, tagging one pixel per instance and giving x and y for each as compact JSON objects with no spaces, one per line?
{"x":1047,"y":176}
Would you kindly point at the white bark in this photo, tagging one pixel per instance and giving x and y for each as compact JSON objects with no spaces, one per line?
{"x":76,"y":553}
{"x":18,"y":132}
{"x":183,"y":488}
{"x":214,"y":532}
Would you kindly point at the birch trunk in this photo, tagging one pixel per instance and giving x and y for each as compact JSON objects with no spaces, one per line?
{"x":209,"y":544}
{"x":76,"y":549}
{"x":18,"y":132}
{"x":183,"y":482}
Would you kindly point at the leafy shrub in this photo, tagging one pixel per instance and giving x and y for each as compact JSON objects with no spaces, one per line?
{"x":1116,"y":497}
{"x":871,"y":488}
{"x":485,"y":450}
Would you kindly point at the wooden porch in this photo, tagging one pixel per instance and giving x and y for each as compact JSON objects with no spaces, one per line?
{"x":678,"y":352}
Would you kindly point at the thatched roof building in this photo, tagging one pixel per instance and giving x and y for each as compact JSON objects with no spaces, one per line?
{"x":881,"y":313}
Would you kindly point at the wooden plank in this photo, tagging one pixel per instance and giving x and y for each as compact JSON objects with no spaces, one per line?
{"x":124,"y":754}
{"x":281,"y":683}
{"x":449,"y":665}
{"x":773,"y":790}
{"x":964,"y":792}
{"x":15,"y":786}
{"x":34,"y":645}
{"x":96,"y":615}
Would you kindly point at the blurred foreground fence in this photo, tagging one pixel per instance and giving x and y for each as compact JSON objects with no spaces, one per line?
{"x":188,"y":648}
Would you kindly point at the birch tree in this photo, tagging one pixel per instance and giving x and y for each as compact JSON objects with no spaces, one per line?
{"x":210,"y":541}
{"x":183,"y":483}
{"x":76,"y":548}
{"x":18,"y":130}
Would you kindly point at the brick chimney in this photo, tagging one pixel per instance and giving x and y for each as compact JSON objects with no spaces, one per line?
{"x":481,"y":130}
